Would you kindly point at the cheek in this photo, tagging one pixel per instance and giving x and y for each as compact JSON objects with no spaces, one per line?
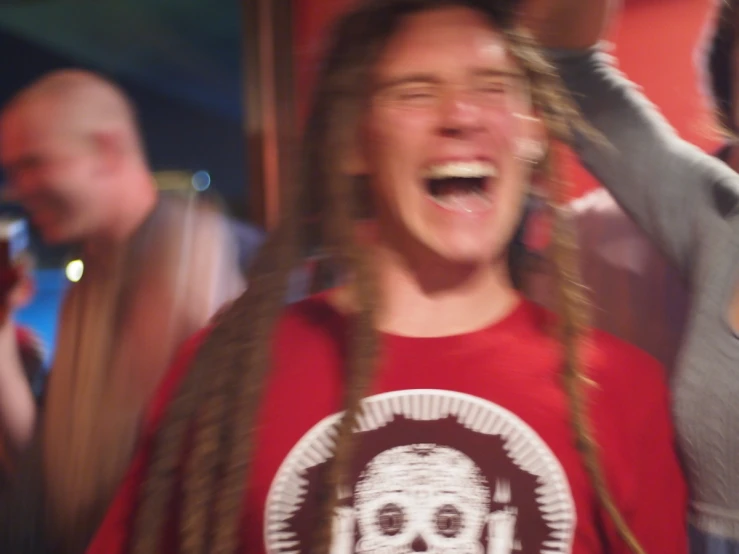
{"x":506,"y":127}
{"x":395,"y":134}
{"x":41,"y":183}
{"x":77,"y":180}
{"x":62,"y":189}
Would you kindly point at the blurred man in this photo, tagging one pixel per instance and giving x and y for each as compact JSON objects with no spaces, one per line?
{"x":156,"y":269}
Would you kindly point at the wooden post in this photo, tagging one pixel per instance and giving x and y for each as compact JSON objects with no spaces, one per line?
{"x":269,"y":104}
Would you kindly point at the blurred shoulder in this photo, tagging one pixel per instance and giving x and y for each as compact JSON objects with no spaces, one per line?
{"x":618,"y":366}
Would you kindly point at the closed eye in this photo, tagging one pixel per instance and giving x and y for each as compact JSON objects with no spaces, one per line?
{"x":414,"y":94}
{"x":497,"y":88}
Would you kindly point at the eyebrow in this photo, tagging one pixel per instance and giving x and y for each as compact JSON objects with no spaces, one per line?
{"x":428,"y":79}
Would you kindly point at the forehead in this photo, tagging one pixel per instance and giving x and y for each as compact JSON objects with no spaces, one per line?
{"x":445,"y":39}
{"x":32,"y":126}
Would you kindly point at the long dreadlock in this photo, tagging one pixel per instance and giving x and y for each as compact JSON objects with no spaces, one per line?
{"x":214,"y":410}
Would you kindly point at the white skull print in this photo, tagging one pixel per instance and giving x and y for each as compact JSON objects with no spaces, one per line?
{"x":483,"y":482}
{"x":417,"y":498}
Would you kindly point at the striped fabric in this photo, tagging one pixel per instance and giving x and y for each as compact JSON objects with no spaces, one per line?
{"x":705,"y":543}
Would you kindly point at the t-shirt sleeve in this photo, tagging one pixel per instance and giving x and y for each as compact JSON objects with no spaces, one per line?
{"x":632,"y":422}
{"x":113,"y":534}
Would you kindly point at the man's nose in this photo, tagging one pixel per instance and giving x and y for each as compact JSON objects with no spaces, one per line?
{"x":459,"y":114}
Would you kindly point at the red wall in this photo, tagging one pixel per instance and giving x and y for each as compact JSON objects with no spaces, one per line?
{"x":656,"y":44}
{"x":312,"y":17}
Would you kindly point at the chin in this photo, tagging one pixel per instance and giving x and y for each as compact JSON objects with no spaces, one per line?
{"x":468,"y":249}
{"x":50,"y":237}
{"x":467,"y":256}
{"x":467,"y":259}
{"x":55,"y":237}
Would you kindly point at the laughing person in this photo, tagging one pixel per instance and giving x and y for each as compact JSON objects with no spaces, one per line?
{"x":423,"y":405}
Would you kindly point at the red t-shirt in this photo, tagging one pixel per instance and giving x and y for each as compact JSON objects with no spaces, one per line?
{"x":465,"y":445}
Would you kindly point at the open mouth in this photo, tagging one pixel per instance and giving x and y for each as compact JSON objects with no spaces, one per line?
{"x":461,"y":186}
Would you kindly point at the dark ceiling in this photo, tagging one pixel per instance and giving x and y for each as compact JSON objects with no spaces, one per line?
{"x":190,"y":49}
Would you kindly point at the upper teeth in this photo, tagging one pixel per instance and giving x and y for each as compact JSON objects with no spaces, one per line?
{"x":460,"y":169}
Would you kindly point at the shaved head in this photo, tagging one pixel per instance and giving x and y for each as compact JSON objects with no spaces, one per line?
{"x":71,"y":149}
{"x":78,"y":102}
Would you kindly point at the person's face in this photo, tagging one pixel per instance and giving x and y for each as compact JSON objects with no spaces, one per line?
{"x":53,"y":173}
{"x":442,"y":138}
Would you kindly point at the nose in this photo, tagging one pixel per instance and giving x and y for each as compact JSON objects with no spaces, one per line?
{"x":459,"y":115}
{"x":419,"y":545}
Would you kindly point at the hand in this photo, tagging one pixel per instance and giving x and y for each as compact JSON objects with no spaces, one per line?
{"x":9,"y":281}
{"x":13,"y":284}
{"x":17,"y":404}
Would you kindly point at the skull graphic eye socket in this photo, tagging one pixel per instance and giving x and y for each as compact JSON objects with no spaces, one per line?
{"x":448,"y":521}
{"x":391,"y":519}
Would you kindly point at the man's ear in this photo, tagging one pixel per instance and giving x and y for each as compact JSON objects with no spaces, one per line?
{"x":354,"y":160}
{"x":110,"y":148}
{"x":354,"y":155}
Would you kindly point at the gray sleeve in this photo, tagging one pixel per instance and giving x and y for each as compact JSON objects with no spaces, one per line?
{"x":662,"y":181}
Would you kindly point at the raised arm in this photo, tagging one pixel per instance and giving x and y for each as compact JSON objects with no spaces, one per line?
{"x":18,"y":408}
{"x":665,"y":183}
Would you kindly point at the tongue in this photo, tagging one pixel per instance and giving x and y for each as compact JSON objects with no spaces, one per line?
{"x":465,"y":201}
